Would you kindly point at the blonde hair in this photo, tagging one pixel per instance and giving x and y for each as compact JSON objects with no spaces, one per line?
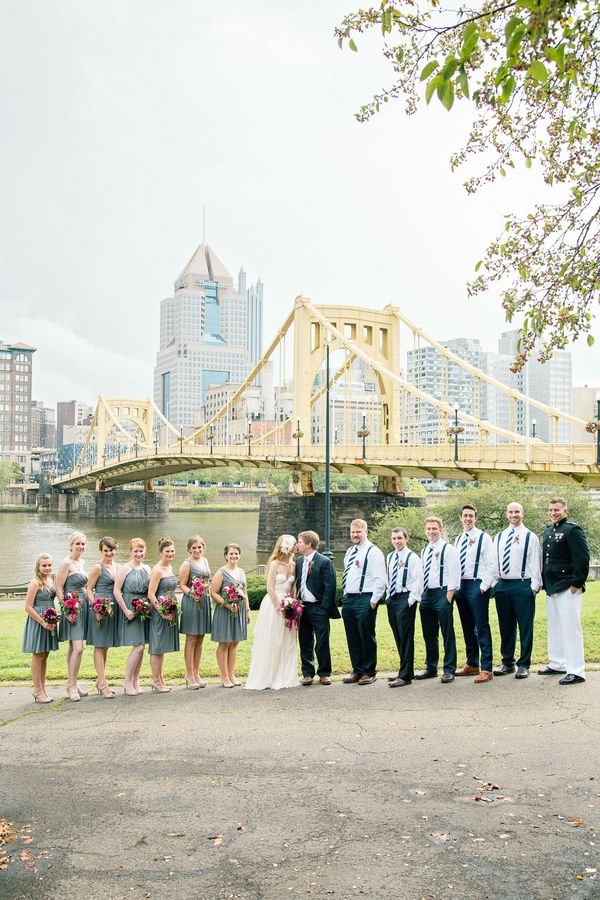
{"x":281,"y":549}
{"x":435,"y":519}
{"x":136,"y":542}
{"x":196,"y":539}
{"x":76,"y":536}
{"x":360,"y":522}
{"x":38,"y":563}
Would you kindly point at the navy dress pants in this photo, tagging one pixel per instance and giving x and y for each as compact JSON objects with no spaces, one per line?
{"x":437,"y":613}
{"x":515,"y":604}
{"x":313,"y":636}
{"x":401,"y":617}
{"x":473,"y":608}
{"x":359,"y":623}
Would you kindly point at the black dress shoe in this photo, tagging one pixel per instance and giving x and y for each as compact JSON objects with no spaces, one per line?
{"x":398,"y":682}
{"x":522,"y":672}
{"x":447,"y":677}
{"x":571,"y":679}
{"x":548,"y":671}
{"x":504,"y":670}
{"x":393,"y":678}
{"x":427,"y":673}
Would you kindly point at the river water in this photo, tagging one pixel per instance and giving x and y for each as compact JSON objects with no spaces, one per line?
{"x":24,"y":535}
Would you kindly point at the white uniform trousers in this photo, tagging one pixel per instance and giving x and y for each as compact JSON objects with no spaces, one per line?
{"x":565,"y":636}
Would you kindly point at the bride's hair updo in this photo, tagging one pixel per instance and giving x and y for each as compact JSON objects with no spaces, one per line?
{"x":283,"y":551}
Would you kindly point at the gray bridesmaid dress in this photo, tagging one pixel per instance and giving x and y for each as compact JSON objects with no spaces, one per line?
{"x":106,"y":633}
{"x":134,"y":632}
{"x":75,"y":583}
{"x":163,"y":636}
{"x":225,"y":627}
{"x":194,"y":620}
{"x":35,"y":638}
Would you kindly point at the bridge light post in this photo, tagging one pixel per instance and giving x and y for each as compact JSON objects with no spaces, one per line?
{"x":593,"y":427}
{"x":181,"y":439}
{"x":297,"y":435}
{"x":533,"y":424}
{"x":364,"y":434}
{"x":248,"y":437}
{"x":327,"y":549}
{"x":454,"y":431}
{"x":211,"y":438}
{"x":136,"y":446}
{"x":156,"y":443}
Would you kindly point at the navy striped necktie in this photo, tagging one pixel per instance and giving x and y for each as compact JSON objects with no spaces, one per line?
{"x":348,"y":566}
{"x":506,"y":555}
{"x":427,"y":569}
{"x":463,"y":555}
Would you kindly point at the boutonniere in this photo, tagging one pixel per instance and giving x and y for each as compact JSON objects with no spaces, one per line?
{"x":471,"y":541}
{"x":310,"y":566}
{"x":357,"y":562}
{"x":516,"y":538}
{"x":436,"y":554}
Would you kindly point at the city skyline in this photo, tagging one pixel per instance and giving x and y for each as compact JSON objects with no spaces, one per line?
{"x":120,"y":128}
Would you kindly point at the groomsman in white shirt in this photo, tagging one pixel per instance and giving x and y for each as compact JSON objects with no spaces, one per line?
{"x":518,"y":578}
{"x":363,"y":586}
{"x":405,"y":586}
{"x":476,"y":557}
{"x":441,"y":579}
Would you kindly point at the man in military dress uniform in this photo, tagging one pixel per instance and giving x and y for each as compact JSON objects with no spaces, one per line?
{"x":566,"y":562}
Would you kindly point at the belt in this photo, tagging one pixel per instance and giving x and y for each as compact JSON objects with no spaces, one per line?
{"x":398,"y":594}
{"x":515,"y":579}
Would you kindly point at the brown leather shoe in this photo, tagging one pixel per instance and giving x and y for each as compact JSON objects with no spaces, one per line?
{"x":325,"y":680}
{"x":467,"y":670}
{"x":483,"y":677}
{"x":351,"y":679}
{"x":366,"y":679}
{"x":307,"y":680}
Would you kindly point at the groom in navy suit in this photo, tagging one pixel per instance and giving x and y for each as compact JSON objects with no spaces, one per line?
{"x":316,"y":587}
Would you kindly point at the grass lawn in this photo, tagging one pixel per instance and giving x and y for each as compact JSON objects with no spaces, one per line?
{"x":15,"y":666}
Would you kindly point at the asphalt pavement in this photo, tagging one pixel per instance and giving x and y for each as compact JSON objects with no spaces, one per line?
{"x":431,"y":791}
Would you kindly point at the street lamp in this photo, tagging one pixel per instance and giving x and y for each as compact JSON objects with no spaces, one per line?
{"x":211,"y":437}
{"x":327,"y":549}
{"x":181,"y":439}
{"x":364,"y":434}
{"x":156,"y":442}
{"x":248,"y":437}
{"x":454,"y":431}
{"x":136,"y":445}
{"x":297,"y":435}
{"x":533,"y":424}
{"x":593,"y":427}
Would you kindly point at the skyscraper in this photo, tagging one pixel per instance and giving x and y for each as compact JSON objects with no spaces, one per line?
{"x":15,"y":401}
{"x":208,"y":334}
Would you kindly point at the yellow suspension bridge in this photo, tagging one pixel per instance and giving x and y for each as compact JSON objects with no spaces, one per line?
{"x":388,"y":426}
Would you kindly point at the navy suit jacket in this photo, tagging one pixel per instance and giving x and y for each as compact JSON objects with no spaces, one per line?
{"x":321,"y":582}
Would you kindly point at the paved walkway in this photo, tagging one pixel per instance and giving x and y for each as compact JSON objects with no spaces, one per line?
{"x":336,"y":792}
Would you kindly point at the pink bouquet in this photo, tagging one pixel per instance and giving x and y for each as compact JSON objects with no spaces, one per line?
{"x":291,"y":609}
{"x":141,"y":608}
{"x":198,"y":590}
{"x":103,"y":607}
{"x":70,"y":607}
{"x":51,"y":617}
{"x":235,"y":595}
{"x":167,"y":606}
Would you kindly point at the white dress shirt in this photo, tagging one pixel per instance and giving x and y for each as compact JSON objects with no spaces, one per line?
{"x":376,"y":577}
{"x":305,"y":594}
{"x":451,"y":566}
{"x":533,"y":563}
{"x":414,"y":574}
{"x":487,"y":558}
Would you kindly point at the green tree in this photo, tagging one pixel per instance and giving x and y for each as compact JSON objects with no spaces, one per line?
{"x":531,"y":70}
{"x":491,"y":501}
{"x":10,"y":472}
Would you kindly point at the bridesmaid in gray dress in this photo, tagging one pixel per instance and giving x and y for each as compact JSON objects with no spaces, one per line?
{"x":103,"y":632}
{"x":39,"y":638}
{"x":71,"y":578}
{"x":164,"y":633}
{"x":195,"y":619}
{"x":230,"y":625}
{"x":132,"y":581}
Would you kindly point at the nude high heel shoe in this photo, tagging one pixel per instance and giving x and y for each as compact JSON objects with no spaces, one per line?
{"x":41,"y":698}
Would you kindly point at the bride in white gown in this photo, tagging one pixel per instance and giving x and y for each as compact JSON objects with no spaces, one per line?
{"x":274,"y":661}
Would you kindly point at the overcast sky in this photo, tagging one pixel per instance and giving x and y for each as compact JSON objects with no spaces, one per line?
{"x":121,"y":120}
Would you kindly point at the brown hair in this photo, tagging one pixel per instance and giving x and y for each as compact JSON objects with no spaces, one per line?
{"x":229,"y":547}
{"x":311,"y":538}
{"x":163,"y":543}
{"x":559,"y":501}
{"x":196,"y":539}
{"x":399,"y":529}
{"x":108,"y":542}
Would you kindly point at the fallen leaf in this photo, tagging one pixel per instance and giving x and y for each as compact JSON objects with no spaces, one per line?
{"x":575,"y":822}
{"x":216,"y":839}
{"x":439,"y":836}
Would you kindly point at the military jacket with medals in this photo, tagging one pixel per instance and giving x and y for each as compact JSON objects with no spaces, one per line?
{"x":566,"y":557}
